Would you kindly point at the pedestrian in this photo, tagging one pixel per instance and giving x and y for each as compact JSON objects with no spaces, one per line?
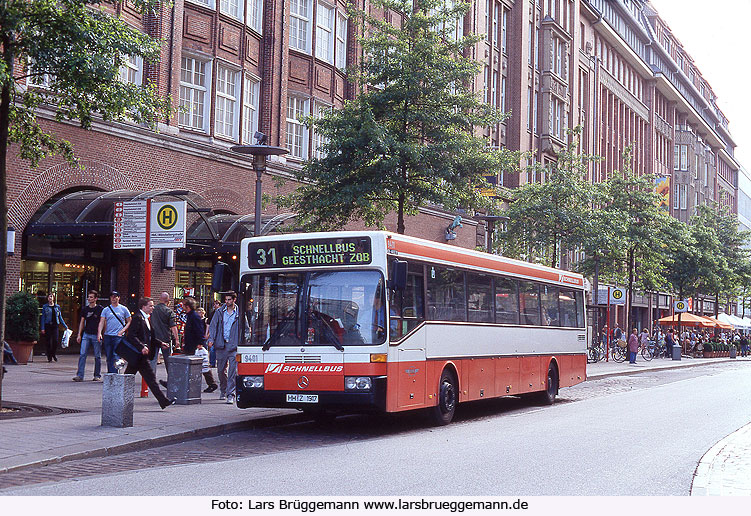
{"x":87,"y":337}
{"x":205,"y":369}
{"x":139,"y":347}
{"x":744,"y":345}
{"x":164,"y":327}
{"x":225,"y":336}
{"x":113,"y":324}
{"x":50,"y":322}
{"x":212,"y":349}
{"x":633,"y":346}
{"x":617,"y":333}
{"x":669,"y":342}
{"x":195,"y":328}
{"x":644,"y":339}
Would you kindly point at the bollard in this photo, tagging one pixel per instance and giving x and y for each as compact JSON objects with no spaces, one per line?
{"x":184,"y":380}
{"x":118,"y":399}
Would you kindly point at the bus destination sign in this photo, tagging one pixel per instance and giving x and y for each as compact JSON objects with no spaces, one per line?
{"x":310,"y":253}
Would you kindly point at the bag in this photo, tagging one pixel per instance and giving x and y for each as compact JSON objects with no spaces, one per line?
{"x":621,"y":343}
{"x":128,"y":352}
{"x":66,"y":338}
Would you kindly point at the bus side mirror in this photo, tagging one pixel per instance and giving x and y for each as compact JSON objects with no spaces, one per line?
{"x":217,"y":277}
{"x":399,"y":275}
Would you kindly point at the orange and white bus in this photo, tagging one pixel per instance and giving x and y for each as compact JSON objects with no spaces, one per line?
{"x":376,"y":321}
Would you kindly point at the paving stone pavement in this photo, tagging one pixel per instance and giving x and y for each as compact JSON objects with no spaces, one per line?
{"x":73,"y":429}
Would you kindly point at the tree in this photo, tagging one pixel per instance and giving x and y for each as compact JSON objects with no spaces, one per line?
{"x":408,"y":139}
{"x":72,"y":51}
{"x":550,"y":217}
{"x":639,"y":226}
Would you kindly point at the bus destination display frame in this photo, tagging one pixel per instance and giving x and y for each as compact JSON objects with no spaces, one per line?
{"x":328,"y":252}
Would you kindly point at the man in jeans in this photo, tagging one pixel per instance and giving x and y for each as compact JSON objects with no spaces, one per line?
{"x":225,"y":336}
{"x":88,"y":326}
{"x":164,"y":328}
{"x":113,"y":324}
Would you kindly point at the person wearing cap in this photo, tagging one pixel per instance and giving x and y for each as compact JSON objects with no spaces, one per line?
{"x":113,"y":325}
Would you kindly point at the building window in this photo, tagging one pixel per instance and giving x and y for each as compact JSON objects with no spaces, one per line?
{"x":297,"y":109}
{"x":131,"y":71}
{"x":341,"y":41}
{"x":225,"y":114}
{"x":504,"y":31}
{"x":503,"y":93}
{"x":559,"y":49}
{"x":254,"y":15}
{"x":684,"y":157}
{"x":207,"y":3}
{"x":251,"y":89}
{"x":299,"y":25}
{"x":232,"y":8}
{"x":194,"y":78}
{"x":496,"y":16}
{"x":684,"y":195}
{"x":325,"y":33}
{"x":676,"y":196}
{"x":534,"y":112}
{"x":319,"y":141}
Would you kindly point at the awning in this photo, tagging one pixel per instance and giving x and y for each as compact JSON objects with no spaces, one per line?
{"x":687,"y":319}
{"x":736,"y":322}
{"x":718,"y":324}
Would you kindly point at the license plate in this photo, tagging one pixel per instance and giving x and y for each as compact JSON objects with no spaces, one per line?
{"x":302,"y":398}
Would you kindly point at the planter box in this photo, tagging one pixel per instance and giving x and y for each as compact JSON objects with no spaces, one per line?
{"x":22,"y":350}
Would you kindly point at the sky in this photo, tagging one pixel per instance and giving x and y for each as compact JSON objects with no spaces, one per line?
{"x":715,"y":35}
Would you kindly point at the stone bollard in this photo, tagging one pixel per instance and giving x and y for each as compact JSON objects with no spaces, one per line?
{"x":184,"y":382}
{"x":118,"y":399}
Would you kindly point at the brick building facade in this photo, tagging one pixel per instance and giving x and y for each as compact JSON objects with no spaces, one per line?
{"x":237,"y":66}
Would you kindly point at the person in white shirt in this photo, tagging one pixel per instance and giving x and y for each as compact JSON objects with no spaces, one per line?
{"x":205,"y":369}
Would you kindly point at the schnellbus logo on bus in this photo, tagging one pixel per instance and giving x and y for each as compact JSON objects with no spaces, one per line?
{"x":297,"y":368}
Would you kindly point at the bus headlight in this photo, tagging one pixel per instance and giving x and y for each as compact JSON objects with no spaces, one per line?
{"x":357,"y":383}
{"x":253,"y":382}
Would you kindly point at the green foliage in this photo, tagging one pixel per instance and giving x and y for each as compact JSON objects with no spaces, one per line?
{"x":555,"y":215}
{"x":22,"y":317}
{"x":407,"y":140}
{"x":72,"y":50}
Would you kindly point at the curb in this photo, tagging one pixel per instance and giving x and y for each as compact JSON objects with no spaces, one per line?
{"x":598,"y":376}
{"x":703,"y":471}
{"x":145,"y":444}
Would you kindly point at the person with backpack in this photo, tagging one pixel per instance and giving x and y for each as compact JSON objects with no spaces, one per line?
{"x":113,"y":326}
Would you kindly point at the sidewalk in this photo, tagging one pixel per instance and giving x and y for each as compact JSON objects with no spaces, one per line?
{"x":74,"y":430}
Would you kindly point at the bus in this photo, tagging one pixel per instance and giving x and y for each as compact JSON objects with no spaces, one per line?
{"x":358,"y":321}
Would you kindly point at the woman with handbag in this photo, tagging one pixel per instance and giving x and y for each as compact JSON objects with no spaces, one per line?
{"x":49,"y":323}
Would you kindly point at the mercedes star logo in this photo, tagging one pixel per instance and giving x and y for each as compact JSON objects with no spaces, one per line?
{"x":303,"y":382}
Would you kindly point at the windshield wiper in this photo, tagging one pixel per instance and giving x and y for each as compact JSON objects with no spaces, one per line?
{"x":280,"y":330}
{"x":328,"y":332}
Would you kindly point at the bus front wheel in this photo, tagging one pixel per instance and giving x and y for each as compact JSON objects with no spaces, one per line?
{"x":448,"y":397}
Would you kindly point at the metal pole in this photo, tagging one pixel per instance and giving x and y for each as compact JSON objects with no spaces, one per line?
{"x":147,"y":277}
{"x":607,"y":325}
{"x":259,"y":164}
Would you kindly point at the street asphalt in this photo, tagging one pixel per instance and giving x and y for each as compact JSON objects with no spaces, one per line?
{"x":66,"y":421}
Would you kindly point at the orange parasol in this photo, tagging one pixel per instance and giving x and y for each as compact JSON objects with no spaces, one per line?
{"x":687,"y":319}
{"x":718,"y":324}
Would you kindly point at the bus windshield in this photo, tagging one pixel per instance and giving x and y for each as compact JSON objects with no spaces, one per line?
{"x":327,"y":308}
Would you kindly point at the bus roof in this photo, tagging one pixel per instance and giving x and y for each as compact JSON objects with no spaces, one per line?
{"x":436,"y":252}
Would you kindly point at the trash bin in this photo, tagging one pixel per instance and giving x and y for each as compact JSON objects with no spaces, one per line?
{"x":118,"y":399}
{"x":676,"y":352}
{"x":184,"y":379}
{"x":733,"y":351}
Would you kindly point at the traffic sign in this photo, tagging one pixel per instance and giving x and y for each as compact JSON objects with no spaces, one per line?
{"x":168,"y":224}
{"x":129,"y":230}
{"x":681,"y":306}
{"x":617,"y":296}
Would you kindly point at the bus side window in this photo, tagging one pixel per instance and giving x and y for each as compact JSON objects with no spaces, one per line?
{"x":479,"y":300}
{"x":407,"y":308}
{"x":506,"y":301}
{"x":446,"y":297}
{"x":568,"y":309}
{"x":549,"y":299}
{"x":529,"y":303}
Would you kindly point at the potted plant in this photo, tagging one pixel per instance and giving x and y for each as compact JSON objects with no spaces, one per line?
{"x":22,"y":324}
{"x":707,"y":350}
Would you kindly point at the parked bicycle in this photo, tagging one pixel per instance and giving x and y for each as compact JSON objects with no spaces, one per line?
{"x":596,"y":353}
{"x":619,"y":353}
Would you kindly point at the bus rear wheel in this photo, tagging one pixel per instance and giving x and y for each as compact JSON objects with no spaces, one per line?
{"x":448,"y":397}
{"x":547,"y":397}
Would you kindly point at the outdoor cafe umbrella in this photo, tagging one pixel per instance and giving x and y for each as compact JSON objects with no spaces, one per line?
{"x":719,"y":324}
{"x":687,"y":319}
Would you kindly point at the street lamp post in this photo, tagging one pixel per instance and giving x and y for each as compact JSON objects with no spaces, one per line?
{"x":490,"y":220}
{"x":260,"y":152}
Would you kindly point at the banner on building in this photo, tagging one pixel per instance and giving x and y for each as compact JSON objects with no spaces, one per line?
{"x":662,"y":188}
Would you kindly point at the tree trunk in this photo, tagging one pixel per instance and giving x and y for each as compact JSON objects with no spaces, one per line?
{"x":400,"y":215}
{"x":629,"y":298}
{"x":4,"y":123}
